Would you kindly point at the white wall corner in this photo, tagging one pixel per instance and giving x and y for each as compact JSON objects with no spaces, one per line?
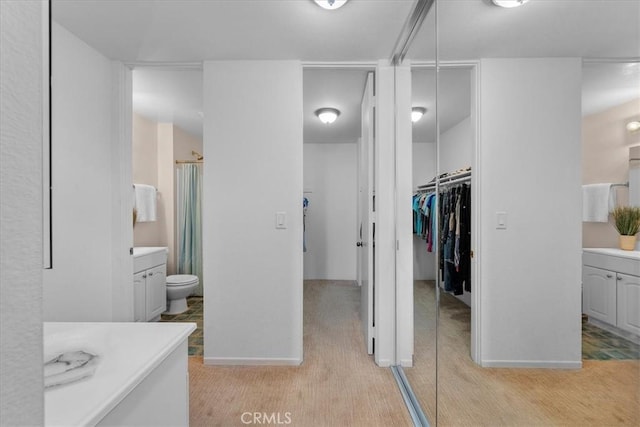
{"x":385,"y":254}
{"x":121,"y":193}
{"x":404,"y":216}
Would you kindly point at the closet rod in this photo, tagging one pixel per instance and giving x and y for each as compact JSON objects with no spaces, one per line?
{"x":454,"y":179}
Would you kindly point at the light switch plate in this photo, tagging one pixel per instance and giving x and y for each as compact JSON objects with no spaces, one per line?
{"x":501,"y":220}
{"x":281,"y":220}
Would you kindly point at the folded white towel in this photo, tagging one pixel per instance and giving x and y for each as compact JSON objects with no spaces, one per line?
{"x":597,"y":201}
{"x":146,"y":204}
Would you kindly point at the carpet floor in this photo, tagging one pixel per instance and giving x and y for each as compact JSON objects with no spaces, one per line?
{"x":602,"y":393}
{"x":337,"y":385}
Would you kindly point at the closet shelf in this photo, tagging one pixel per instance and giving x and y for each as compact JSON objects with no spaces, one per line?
{"x":451,"y":179}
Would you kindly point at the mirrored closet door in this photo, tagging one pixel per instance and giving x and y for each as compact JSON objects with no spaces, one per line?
{"x":506,"y":273}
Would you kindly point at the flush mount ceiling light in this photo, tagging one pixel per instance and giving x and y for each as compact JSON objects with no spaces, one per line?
{"x":509,"y":3}
{"x":633,"y":126}
{"x":417,"y":113}
{"x":327,"y":115}
{"x":330,"y":4}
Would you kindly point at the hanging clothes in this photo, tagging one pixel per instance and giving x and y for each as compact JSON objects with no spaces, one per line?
{"x":305,"y":205}
{"x":453,"y":220}
{"x":465,"y":238}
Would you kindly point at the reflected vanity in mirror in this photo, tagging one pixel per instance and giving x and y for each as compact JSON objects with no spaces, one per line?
{"x":529,"y":119}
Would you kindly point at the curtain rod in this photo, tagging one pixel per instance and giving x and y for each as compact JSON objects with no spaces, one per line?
{"x":180,"y":162}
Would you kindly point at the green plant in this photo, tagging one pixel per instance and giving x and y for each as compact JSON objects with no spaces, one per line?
{"x":626,"y":220}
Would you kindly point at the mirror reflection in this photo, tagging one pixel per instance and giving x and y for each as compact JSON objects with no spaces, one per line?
{"x":522,"y":354}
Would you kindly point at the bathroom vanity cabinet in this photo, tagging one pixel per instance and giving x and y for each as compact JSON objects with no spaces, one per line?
{"x":149,"y":283}
{"x":611,"y":289}
{"x":141,"y":377}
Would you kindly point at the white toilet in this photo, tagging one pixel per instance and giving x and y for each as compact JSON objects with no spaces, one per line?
{"x":179,"y":287}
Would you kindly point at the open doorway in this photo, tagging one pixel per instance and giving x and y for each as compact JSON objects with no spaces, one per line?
{"x":610,"y":282}
{"x":338,"y":296}
{"x":167,"y":159}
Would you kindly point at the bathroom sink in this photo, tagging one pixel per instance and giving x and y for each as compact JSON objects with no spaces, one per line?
{"x":145,"y":257}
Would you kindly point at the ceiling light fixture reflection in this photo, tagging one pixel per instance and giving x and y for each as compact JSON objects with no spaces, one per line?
{"x":417,"y":113}
{"x":330,"y":4}
{"x":633,"y":126}
{"x":509,"y":3}
{"x":327,"y":115}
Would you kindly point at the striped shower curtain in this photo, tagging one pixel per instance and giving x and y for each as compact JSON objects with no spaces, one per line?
{"x":189,"y":196}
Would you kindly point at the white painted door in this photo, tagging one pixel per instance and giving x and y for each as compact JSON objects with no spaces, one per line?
{"x":366,"y":215}
{"x":156,"y":291}
{"x":599,"y":294}
{"x":628,"y":308}
{"x":139,"y":297}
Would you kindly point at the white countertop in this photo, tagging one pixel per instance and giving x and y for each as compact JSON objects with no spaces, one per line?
{"x":145,"y":257}
{"x":128,"y":354}
{"x":614,"y":252}
{"x":139,"y":251}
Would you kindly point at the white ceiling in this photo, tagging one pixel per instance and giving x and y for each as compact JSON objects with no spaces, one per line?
{"x":341,"y":89}
{"x":363,"y":30}
{"x":608,"y":85}
{"x":175,"y":30}
{"x":169,"y":96}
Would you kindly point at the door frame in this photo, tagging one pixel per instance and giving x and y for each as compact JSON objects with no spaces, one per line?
{"x":366,"y":243}
{"x":384,"y":255}
{"x":476,"y":260}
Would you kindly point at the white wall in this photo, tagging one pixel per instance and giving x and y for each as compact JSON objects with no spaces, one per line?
{"x":78,"y":286}
{"x":21,"y":76}
{"x":423,"y":162}
{"x":89,"y":280}
{"x":385,"y":253}
{"x":605,"y":158}
{"x":330,"y":174}
{"x":456,"y":146}
{"x":253,"y":271}
{"x":404,"y":217}
{"x":529,"y":166}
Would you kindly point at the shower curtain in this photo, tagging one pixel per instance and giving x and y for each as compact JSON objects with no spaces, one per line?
{"x":189,"y":196}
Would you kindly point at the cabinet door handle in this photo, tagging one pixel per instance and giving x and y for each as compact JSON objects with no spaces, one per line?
{"x":609,"y":276}
{"x":150,"y":274}
{"x":144,"y":276}
{"x":619,"y":278}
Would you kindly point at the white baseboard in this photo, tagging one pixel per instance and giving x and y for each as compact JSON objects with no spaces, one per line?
{"x":251,"y":361}
{"x":544,"y":364}
{"x":384,"y":363}
{"x":406,"y":363}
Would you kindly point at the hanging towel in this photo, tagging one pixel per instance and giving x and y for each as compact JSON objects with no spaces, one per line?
{"x":597,"y":201}
{"x":146,"y":204}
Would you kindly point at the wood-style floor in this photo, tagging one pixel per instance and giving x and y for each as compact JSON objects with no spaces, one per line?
{"x":602,"y":393}
{"x":337,"y":385}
